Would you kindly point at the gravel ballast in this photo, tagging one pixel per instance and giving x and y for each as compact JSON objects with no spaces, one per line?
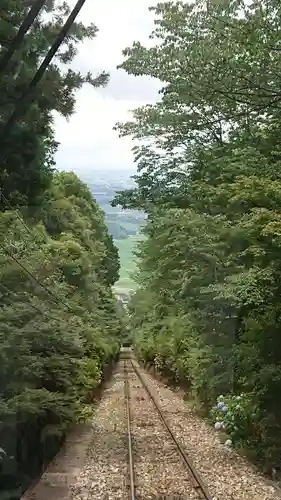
{"x":104,"y":474}
{"x":227,"y":475}
{"x":158,"y":469}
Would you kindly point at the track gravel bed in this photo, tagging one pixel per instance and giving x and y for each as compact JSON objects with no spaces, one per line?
{"x":228,"y":475}
{"x":159,"y":470}
{"x":105,"y":469}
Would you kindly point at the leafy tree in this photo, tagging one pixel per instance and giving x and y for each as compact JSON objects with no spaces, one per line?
{"x":27,"y":153}
{"x":59,"y":329}
{"x":60,"y":324}
{"x":207,"y":308}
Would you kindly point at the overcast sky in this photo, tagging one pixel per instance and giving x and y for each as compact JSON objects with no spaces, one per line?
{"x":87,"y":141}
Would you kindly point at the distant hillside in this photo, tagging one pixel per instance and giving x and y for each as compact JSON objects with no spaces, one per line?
{"x":124,"y":225}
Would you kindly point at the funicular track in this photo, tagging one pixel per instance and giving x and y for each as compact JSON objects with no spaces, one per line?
{"x":198,"y":484}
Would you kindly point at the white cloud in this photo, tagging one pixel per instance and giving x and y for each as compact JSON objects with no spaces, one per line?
{"x":87,"y":141}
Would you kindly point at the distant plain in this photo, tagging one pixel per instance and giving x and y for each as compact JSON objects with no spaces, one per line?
{"x":123,"y":225}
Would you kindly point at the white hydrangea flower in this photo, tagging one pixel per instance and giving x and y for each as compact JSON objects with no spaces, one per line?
{"x":218,"y":426}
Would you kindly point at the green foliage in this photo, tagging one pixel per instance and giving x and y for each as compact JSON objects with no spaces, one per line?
{"x":208,"y":305}
{"x":52,"y":335}
{"x":28,"y":162}
{"x":60,"y":330}
{"x":60,"y":325}
{"x":239,"y":417}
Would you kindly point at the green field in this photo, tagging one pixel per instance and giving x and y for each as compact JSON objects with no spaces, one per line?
{"x":126,"y":248}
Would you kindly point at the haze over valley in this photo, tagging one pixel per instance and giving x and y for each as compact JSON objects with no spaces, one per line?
{"x":124,"y":225}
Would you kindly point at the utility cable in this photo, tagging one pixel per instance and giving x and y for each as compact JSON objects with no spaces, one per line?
{"x":18,"y":216}
{"x":10,"y":292}
{"x":16,"y":212}
{"x":18,"y":39}
{"x":31,"y":275}
{"x":27,"y":95}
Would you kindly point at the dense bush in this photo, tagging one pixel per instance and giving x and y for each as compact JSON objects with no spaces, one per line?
{"x":239,"y":417}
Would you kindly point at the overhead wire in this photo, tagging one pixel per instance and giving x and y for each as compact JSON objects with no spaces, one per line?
{"x":20,"y":107}
{"x":4,"y":287}
{"x":58,"y":301}
{"x":18,"y":39}
{"x":17,"y":214}
{"x":27,"y":95}
{"x":50,"y":292}
{"x":19,"y":217}
{"x":31,"y":275}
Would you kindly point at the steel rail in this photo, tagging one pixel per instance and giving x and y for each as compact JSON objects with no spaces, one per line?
{"x":130,"y":451}
{"x":198,"y":482}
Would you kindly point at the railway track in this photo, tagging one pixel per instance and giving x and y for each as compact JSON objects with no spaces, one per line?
{"x":93,"y":464}
{"x":195,"y":486}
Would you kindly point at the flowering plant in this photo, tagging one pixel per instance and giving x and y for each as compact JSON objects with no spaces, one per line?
{"x":236,"y":416}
